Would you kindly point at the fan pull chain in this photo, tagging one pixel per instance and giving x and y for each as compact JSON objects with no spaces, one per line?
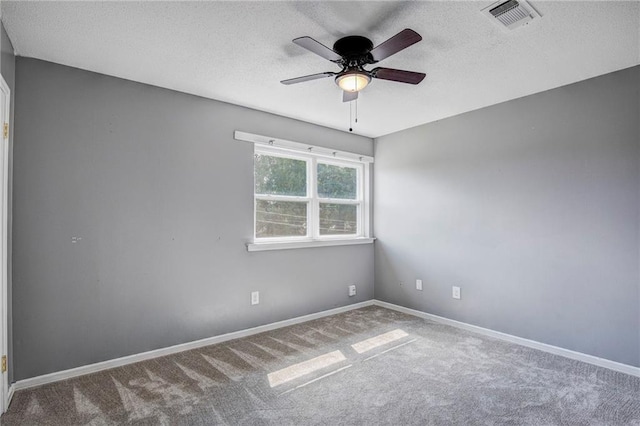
{"x":351,"y":114}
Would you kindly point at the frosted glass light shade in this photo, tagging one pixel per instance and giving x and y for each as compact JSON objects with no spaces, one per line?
{"x":353,"y":82}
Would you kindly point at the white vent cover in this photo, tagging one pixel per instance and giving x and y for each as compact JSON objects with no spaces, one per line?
{"x":511,"y":13}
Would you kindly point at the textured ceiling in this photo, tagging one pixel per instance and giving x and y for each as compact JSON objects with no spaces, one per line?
{"x":239,"y":51}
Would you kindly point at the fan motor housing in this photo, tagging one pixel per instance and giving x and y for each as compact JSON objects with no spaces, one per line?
{"x":353,"y":47}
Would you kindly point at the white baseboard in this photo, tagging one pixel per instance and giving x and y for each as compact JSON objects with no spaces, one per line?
{"x":12,"y":390}
{"x":118,"y":362}
{"x":590,"y":359}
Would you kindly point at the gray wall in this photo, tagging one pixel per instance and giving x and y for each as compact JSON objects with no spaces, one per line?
{"x":162,"y":197}
{"x":531,"y":207}
{"x":7,"y":69}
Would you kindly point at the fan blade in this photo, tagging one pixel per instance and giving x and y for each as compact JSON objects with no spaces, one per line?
{"x":318,"y":48}
{"x":398,"y":75}
{"x":402,"y":40}
{"x":308,"y":78}
{"x":349,"y":96}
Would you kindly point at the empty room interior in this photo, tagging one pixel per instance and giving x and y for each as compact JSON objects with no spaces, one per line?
{"x":319,"y":212}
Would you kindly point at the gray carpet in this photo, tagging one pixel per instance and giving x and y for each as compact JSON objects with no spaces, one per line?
{"x":364,"y":367}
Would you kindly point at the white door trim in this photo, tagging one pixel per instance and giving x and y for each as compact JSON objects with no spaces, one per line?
{"x":4,"y":190}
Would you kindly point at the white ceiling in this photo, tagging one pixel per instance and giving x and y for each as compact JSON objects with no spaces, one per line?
{"x":239,"y":51}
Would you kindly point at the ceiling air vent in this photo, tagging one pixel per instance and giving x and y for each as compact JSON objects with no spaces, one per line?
{"x":511,"y":13}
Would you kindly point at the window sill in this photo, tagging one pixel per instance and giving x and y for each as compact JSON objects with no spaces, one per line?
{"x":307,"y":244}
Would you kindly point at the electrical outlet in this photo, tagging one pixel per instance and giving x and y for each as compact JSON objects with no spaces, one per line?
{"x":455,"y":292}
{"x":255,"y":297}
{"x":419,"y":285}
{"x":352,"y":290}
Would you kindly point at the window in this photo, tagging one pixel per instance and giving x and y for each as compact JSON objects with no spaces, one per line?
{"x":303,"y":197}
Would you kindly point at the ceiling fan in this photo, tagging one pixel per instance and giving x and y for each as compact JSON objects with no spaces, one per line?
{"x":352,"y":53}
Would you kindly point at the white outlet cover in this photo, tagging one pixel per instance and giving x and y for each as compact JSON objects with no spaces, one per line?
{"x":455,"y":292}
{"x":352,"y":290}
{"x":418,"y":284}
{"x":255,"y":297}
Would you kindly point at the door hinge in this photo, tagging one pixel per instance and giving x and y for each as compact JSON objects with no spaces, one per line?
{"x":5,"y":131}
{"x":4,"y":364}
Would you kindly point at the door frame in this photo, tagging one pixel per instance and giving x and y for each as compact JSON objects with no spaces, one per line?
{"x":4,"y":192}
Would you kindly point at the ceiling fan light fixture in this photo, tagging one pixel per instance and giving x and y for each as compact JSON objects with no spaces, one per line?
{"x":353,"y":81}
{"x":353,"y":53}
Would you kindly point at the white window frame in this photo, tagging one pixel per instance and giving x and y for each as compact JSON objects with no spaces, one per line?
{"x":359,"y":201}
{"x":313,"y":237}
{"x":292,"y":198}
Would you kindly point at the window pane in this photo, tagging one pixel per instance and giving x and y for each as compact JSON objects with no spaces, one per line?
{"x":337,"y":182}
{"x":280,"y":176}
{"x":338,"y":219}
{"x":280,"y":219}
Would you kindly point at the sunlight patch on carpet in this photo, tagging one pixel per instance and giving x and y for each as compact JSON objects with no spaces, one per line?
{"x":303,"y":368}
{"x":324,"y":376}
{"x":382,"y":339}
{"x":390,"y":349}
